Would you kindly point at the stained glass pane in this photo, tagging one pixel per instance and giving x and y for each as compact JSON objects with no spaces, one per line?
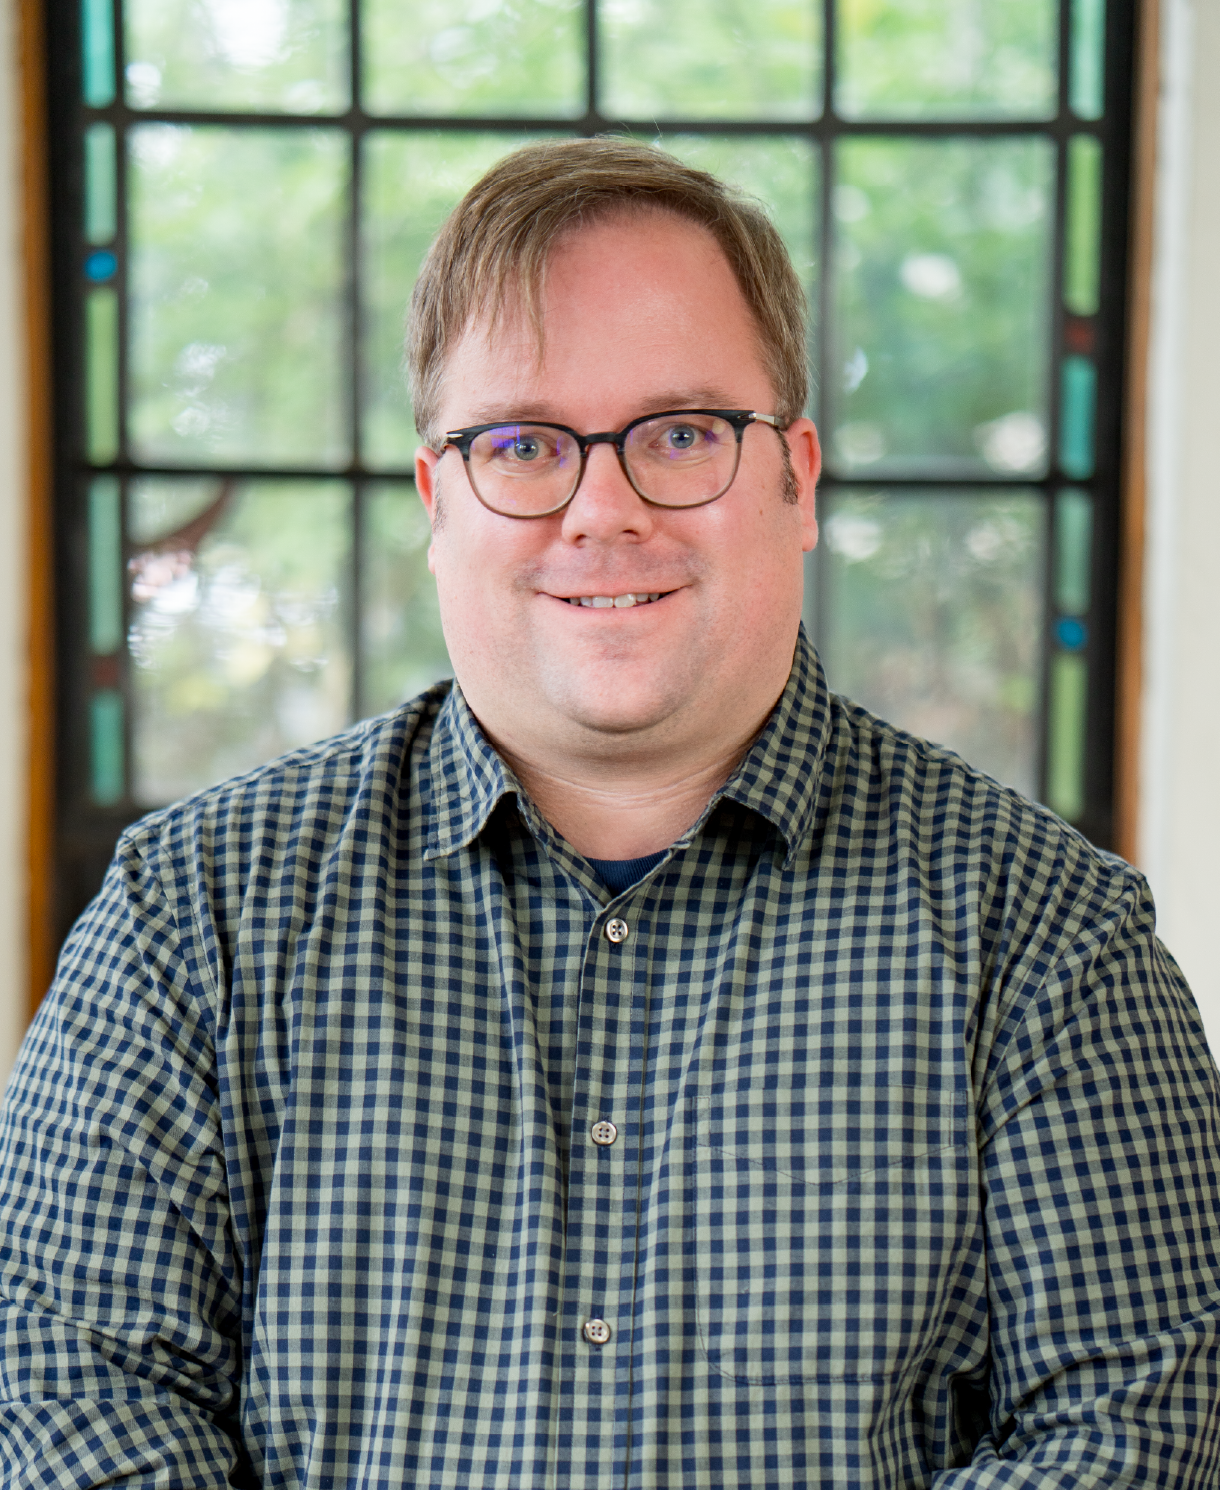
{"x":105,"y":566}
{"x":930,"y":613}
{"x":102,"y":375}
{"x":101,"y":201}
{"x":1073,"y":552}
{"x":107,"y":747}
{"x":1087,"y":76}
{"x":97,"y":52}
{"x":685,"y":59}
{"x":237,"y":636}
{"x":509,"y":58}
{"x":1082,"y":254}
{"x":1078,"y":403}
{"x":236,"y":285}
{"x":947,"y":59}
{"x":1068,"y":711}
{"x":288,"y":56}
{"x":941,"y":303}
{"x":411,"y":183}
{"x":402,"y":647}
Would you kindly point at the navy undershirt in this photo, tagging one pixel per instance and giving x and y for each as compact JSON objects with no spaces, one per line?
{"x":620,"y":874}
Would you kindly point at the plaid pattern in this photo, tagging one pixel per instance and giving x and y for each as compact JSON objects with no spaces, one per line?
{"x":915,"y":1181}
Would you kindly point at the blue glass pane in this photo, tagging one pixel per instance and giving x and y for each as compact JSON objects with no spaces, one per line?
{"x":101,"y":266}
{"x":101,"y":184}
{"x":1071,"y":634}
{"x":107,"y":750}
{"x":1073,"y":552}
{"x":97,"y":52}
{"x":105,"y":566}
{"x":1066,"y":734}
{"x":1087,"y":78}
{"x":1079,"y":402}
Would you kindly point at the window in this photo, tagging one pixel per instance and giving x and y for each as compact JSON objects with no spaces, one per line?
{"x":243,"y":190}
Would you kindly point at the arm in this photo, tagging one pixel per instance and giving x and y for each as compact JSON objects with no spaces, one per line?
{"x":120,"y":1282}
{"x":1100,"y":1144}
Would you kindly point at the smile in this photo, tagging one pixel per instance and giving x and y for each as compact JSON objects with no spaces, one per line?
{"x":618,"y":602}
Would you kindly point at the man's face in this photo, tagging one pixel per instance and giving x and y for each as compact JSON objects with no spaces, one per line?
{"x":640,"y":314}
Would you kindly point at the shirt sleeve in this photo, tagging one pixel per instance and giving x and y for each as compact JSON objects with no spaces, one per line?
{"x":1100,"y":1149}
{"x":120,"y":1283}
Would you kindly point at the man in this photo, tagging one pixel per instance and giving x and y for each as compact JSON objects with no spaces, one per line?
{"x":632,"y":1066}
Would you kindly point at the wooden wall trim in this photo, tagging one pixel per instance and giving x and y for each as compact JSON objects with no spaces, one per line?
{"x":40,"y":636}
{"x":1130,"y":631}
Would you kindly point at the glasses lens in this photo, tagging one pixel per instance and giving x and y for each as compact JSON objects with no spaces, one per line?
{"x":681,"y":460}
{"x":524,"y":470}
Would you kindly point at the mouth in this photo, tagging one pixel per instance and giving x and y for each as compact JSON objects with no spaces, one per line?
{"x":617,"y":602}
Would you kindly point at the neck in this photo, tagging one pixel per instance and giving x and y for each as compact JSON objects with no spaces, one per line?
{"x":617,"y":807}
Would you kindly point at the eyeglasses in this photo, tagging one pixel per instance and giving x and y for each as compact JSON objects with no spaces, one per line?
{"x":680,"y":458}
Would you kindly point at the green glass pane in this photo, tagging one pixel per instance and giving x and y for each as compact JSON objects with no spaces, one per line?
{"x":945,"y":59}
{"x":686,"y":59}
{"x":1087,"y":75}
{"x":1067,"y":717}
{"x":941,"y":306}
{"x":513,"y":58}
{"x":1082,"y":255}
{"x":106,"y":747}
{"x":1076,"y":417}
{"x":1073,"y":552}
{"x":102,"y":375}
{"x":105,"y":566}
{"x":237,"y":635}
{"x":97,"y":52}
{"x":236,"y":274}
{"x":931,"y":615}
{"x":411,"y":184}
{"x":101,"y":190}
{"x":288,"y":56}
{"x":402,"y":648}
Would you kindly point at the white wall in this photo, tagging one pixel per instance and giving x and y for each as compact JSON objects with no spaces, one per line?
{"x":12,"y":556}
{"x":1179,"y":844}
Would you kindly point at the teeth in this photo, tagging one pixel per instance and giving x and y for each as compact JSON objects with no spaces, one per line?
{"x":617,"y":602}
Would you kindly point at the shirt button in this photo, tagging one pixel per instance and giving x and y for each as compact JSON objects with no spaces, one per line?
{"x":603,"y":1133}
{"x":595,"y":1331}
{"x":616,"y":930}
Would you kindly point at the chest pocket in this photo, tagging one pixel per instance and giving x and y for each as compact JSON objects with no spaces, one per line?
{"x":828,"y":1228}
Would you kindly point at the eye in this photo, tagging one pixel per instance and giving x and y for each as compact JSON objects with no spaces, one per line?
{"x":527,"y":447}
{"x":682,"y":437}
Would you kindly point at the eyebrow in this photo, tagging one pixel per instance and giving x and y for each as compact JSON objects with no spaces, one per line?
{"x":544,"y":413}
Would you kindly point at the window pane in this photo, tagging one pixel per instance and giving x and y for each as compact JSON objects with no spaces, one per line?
{"x":509,"y":58}
{"x":930,"y":614}
{"x":236,"y":272}
{"x":1082,"y":250}
{"x":237,"y":636}
{"x":402,"y":649}
{"x":411,"y":183}
{"x":1076,"y":417}
{"x":1073,"y":551}
{"x":97,"y":52}
{"x":105,"y":566}
{"x":101,"y":191}
{"x":947,"y":59}
{"x":941,"y":304}
{"x":102,"y":376}
{"x":685,"y":59}
{"x":1066,"y":734}
{"x":284,"y":55}
{"x":1087,"y":86}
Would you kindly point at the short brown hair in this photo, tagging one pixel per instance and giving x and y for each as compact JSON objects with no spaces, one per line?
{"x":499,"y":238}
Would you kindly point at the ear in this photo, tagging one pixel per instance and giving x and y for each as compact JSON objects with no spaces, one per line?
{"x":806,"y":452}
{"x":426,"y":484}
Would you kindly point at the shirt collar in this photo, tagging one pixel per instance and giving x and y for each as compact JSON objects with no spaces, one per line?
{"x":777,"y":779}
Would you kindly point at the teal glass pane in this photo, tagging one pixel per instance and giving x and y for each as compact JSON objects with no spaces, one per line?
{"x":238,"y":353}
{"x":940,"y":59}
{"x":1067,"y":717}
{"x":102,"y":375}
{"x":411,"y":184}
{"x":1087,"y":75}
{"x":1076,"y":417}
{"x":941,"y":306}
{"x":288,"y":56}
{"x":105,"y":566}
{"x":1082,"y":254}
{"x":97,"y":52}
{"x":930,"y":607}
{"x":237,"y":636}
{"x":686,"y":59}
{"x":402,"y":648}
{"x":106,"y":747}
{"x":508,"y":58}
{"x":101,"y":188}
{"x":1073,"y":552}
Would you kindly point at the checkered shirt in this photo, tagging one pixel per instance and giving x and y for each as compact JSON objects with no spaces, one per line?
{"x":914,"y":1182}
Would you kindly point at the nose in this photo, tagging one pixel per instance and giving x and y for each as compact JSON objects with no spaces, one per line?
{"x":606,"y":506}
